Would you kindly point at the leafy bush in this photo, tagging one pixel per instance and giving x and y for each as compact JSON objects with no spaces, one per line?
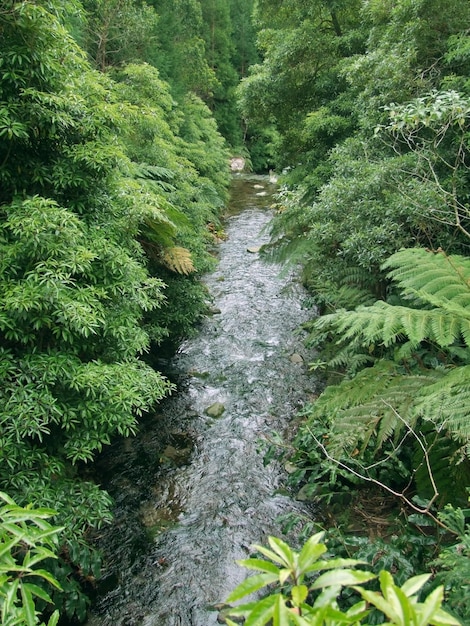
{"x":305,"y":589}
{"x":27,"y":540}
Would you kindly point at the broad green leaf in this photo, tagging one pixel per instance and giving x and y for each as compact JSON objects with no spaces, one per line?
{"x":39,"y":592}
{"x":54,"y":619}
{"x":262,"y":612}
{"x":310,"y":552}
{"x":333,"y":564}
{"x":342,"y":577}
{"x":259,"y":564}
{"x":48,"y":576}
{"x":283,"y":550}
{"x":414,"y":584}
{"x":28,"y":605}
{"x":251,"y":584}
{"x":299,"y":594}
{"x":372,"y":597}
{"x":284,"y":575}
{"x":10,"y":596}
{"x":281,"y":613}
{"x":428,"y":609}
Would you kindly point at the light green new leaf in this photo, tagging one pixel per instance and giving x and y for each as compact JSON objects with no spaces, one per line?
{"x":259,"y":564}
{"x":426,"y":611}
{"x":251,"y":584}
{"x":299,"y":594}
{"x":310,"y":552}
{"x":413,"y":585}
{"x":281,"y":613}
{"x":283,"y":550}
{"x":342,"y":577}
{"x":262,"y":612}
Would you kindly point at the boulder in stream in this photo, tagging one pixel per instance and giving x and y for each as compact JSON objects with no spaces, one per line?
{"x":215,"y":410}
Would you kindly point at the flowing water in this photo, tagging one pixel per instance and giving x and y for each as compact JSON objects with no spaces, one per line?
{"x":187,"y":508}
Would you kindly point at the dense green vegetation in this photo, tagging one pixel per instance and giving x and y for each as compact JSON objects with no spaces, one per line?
{"x":370,"y":107}
{"x":115,"y":117}
{"x":112,"y":181}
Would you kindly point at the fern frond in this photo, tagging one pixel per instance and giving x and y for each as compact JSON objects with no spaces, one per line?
{"x":178,"y":259}
{"x":388,"y":324}
{"x":436,"y":278}
{"x":369,"y":406}
{"x":447,"y":402}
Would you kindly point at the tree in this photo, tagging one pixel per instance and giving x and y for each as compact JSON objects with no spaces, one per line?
{"x":73,"y":281}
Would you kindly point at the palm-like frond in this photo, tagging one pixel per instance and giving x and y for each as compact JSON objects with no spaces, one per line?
{"x":387,"y":324}
{"x":434,"y":277}
{"x":371,"y":406}
{"x":377,"y":402}
{"x":447,"y":403}
{"x":178,"y":259}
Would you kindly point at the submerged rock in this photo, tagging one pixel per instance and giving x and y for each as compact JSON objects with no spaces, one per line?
{"x":253,"y":249}
{"x":296,"y":358}
{"x":215,"y":410}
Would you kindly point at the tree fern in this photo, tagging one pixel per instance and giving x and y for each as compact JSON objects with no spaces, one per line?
{"x":178,"y":259}
{"x":447,"y":402}
{"x":429,"y":379}
{"x":387,"y":324}
{"x":370,"y":406}
{"x":434,"y":277}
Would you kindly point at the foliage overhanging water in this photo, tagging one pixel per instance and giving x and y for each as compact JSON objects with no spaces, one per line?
{"x":186,"y":511}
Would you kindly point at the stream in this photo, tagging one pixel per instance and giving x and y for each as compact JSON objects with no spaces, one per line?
{"x":191,"y":491}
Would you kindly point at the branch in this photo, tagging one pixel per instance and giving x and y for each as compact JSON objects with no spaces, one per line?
{"x":369,"y":479}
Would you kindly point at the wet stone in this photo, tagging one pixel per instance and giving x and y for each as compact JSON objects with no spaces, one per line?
{"x":215,"y":410}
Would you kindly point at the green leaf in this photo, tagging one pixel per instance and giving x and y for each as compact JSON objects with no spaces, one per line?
{"x":48,"y":576}
{"x":284,"y":575}
{"x":39,"y":592}
{"x":310,"y":552}
{"x":342,"y":577}
{"x":299,"y":594}
{"x":281,"y":613}
{"x":251,"y":584}
{"x":333,"y":564}
{"x":259,"y":564}
{"x":28,"y":605}
{"x":414,"y":584}
{"x":428,"y":609}
{"x":283,"y":550}
{"x":270,"y":555}
{"x":377,"y":600}
{"x":54,"y":619}
{"x":262,"y":612}
{"x":11,"y":596}
{"x":6,"y":548}
{"x":442,"y":618}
